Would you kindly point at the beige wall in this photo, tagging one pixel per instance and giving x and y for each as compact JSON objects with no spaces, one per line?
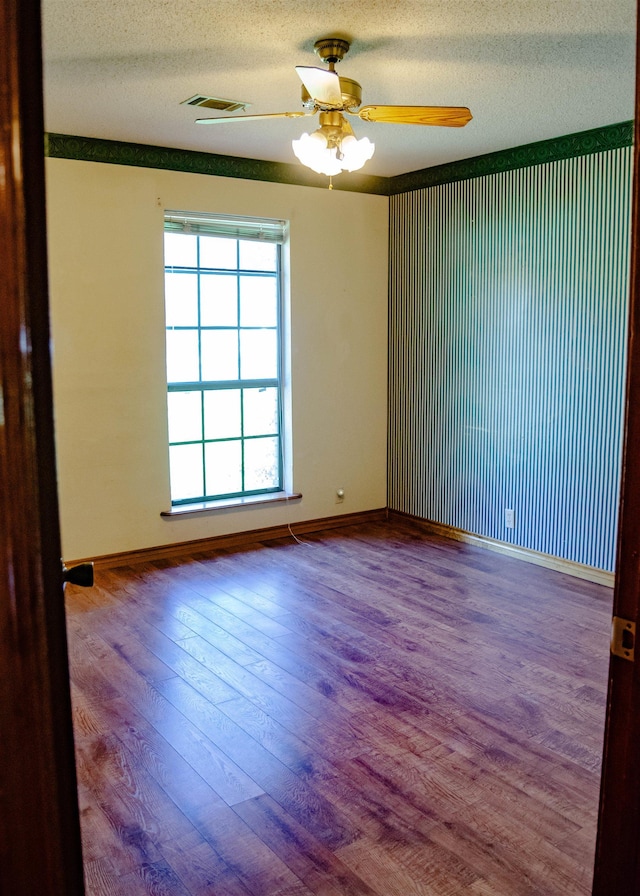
{"x":106,"y":284}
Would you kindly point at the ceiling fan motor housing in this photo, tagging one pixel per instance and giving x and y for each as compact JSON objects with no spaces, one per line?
{"x":332,"y":50}
{"x":351,"y":96}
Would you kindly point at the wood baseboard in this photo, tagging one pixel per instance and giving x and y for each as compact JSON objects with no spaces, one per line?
{"x":568,"y":567}
{"x":255,"y":536}
{"x":234,"y":540}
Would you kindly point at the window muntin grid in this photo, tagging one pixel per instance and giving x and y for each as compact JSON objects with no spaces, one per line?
{"x":222,"y":299}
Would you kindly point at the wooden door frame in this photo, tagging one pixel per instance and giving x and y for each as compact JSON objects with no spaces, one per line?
{"x":40,"y":849}
{"x":617,"y":865}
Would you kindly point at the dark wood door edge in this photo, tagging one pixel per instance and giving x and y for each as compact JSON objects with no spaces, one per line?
{"x":617,"y":866}
{"x":39,"y":830}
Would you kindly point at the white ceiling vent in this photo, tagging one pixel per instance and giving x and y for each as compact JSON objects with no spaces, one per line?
{"x":213,"y":102}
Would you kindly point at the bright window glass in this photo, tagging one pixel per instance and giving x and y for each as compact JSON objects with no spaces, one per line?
{"x":223,"y":318}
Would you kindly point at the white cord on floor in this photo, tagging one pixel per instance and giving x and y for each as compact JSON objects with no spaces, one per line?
{"x":306,"y":544}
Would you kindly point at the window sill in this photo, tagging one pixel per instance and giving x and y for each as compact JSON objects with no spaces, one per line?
{"x":230,"y":503}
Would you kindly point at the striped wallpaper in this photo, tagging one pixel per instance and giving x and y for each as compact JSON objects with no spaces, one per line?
{"x":508,"y":312}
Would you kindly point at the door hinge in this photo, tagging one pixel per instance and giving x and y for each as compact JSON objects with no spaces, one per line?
{"x":623,"y":638}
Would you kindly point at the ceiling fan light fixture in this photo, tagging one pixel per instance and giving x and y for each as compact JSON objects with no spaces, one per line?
{"x":329,"y":153}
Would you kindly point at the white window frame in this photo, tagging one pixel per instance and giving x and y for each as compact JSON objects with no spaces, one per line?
{"x":236,"y":228}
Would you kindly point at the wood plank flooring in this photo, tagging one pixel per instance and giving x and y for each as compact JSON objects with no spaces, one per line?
{"x":374,"y":712}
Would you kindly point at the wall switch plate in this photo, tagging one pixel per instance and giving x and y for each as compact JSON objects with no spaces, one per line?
{"x":339,"y":495}
{"x":509,"y":518}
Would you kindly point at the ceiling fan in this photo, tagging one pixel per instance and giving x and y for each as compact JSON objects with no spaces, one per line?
{"x":334,"y":147}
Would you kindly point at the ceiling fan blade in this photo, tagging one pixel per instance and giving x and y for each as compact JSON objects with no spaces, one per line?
{"x":443,"y":116}
{"x":221,"y":120}
{"x":322,"y":85}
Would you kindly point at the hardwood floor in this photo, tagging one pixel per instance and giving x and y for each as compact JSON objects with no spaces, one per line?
{"x":374,"y":712}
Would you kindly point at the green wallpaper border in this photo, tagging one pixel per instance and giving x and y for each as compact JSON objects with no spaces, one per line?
{"x":614,"y":136}
{"x":115,"y":152}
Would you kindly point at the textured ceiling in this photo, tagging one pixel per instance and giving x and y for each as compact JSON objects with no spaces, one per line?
{"x":528,"y":69}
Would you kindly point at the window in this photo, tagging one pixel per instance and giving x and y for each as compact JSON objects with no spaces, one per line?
{"x":224,"y":360}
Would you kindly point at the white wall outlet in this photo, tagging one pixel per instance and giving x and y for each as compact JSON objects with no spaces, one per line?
{"x":339,"y":495}
{"x":509,"y":518}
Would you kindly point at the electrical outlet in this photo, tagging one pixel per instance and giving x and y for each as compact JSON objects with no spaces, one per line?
{"x":509,"y":518}
{"x":339,"y":495}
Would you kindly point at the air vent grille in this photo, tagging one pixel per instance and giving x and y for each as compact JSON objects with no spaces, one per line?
{"x":213,"y":102}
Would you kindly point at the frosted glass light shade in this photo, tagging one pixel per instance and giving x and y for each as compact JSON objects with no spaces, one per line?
{"x":356,"y":152}
{"x":312,"y":151}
